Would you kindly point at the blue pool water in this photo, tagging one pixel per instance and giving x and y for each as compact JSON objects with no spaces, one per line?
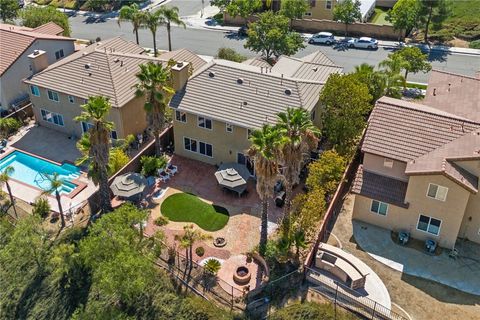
{"x":33,"y":171}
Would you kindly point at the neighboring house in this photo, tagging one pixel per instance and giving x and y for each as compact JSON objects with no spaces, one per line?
{"x":224,"y":101}
{"x":16,"y":44}
{"x":421,"y":164}
{"x":323,"y":9}
{"x":106,"y":68}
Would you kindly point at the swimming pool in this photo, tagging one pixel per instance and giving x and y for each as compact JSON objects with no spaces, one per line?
{"x":33,"y":171}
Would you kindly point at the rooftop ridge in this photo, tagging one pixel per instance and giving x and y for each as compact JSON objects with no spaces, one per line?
{"x":455,"y":74}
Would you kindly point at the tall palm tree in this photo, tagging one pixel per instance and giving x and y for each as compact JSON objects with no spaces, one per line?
{"x":367,"y":74}
{"x":95,"y":145}
{"x":151,"y":21}
{"x":55,"y":184}
{"x":393,"y":80}
{"x":170,"y":15}
{"x":133,"y":14}
{"x":155,"y":84}
{"x":4,"y":178}
{"x":189,"y":237}
{"x":301,"y":137}
{"x":264,"y":150}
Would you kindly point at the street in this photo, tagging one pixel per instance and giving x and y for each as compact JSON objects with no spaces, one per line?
{"x":207,"y":42}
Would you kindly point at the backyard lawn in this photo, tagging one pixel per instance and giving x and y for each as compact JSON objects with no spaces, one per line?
{"x":378,"y":17}
{"x":185,"y":207}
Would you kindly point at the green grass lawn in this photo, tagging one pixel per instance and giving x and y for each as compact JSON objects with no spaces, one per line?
{"x":463,"y":22}
{"x":185,"y":207}
{"x":379,"y":16}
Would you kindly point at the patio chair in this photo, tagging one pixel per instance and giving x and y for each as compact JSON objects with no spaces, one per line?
{"x":173,"y":169}
{"x":164,"y":176}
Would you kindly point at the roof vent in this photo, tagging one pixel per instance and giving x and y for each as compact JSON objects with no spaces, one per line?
{"x":211,"y":74}
{"x":116,"y":60}
{"x":87,"y":66}
{"x":239,"y":80}
{"x":288,"y":91}
{"x":36,"y":52}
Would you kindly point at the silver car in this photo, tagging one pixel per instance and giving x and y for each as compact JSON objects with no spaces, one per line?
{"x":323,"y":38}
{"x":363,"y":43}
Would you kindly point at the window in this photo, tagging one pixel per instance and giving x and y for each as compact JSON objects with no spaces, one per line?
{"x":35,"y":91}
{"x":312,"y":3}
{"x":228,"y":127}
{"x":190,"y":144}
{"x":328,"y":4}
{"x":52,"y":117}
{"x":429,"y":224}
{"x":206,"y":149}
{"x":388,"y":163}
{"x":308,"y":14}
{"x":71,"y":99}
{"x":379,"y":207}
{"x":180,"y":116}
{"x":113,"y":135}
{"x":59,"y":54}
{"x":52,"y":95}
{"x":87,"y":125}
{"x":205,"y":123}
{"x":249,"y":133}
{"x":437,"y":192}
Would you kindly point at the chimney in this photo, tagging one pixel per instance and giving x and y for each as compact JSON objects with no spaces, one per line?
{"x":180,"y":75}
{"x":38,"y":60}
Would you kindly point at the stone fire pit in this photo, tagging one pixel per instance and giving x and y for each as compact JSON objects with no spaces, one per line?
{"x":242,"y":275}
{"x":219,"y":242}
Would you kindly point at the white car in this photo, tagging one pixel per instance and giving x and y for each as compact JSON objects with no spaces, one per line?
{"x":322,"y":37}
{"x":363,"y":43}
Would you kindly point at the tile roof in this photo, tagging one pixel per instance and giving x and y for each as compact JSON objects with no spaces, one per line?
{"x":242,"y":94}
{"x":49,"y":28}
{"x":319,"y":57}
{"x":184,"y":55}
{"x":404,"y":131}
{"x":381,"y":188}
{"x":258,"y":62}
{"x":454,"y":93}
{"x":16,"y":40}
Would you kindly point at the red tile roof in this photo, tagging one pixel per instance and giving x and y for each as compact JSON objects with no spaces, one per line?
{"x":49,"y":28}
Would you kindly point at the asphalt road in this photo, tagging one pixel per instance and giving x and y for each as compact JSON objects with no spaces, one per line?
{"x":207,"y":42}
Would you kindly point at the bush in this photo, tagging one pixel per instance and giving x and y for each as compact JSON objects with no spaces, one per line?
{"x":230,"y":54}
{"x":9,"y":126}
{"x":200,"y":251}
{"x":161,"y":221}
{"x":311,"y":310}
{"x":41,"y":207}
{"x":150,"y":164}
{"x":118,"y":159}
{"x":326,"y":172}
{"x":212,"y":266}
{"x":474,"y":44}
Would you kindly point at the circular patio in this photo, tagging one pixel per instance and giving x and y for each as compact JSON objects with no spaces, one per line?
{"x":229,"y":270}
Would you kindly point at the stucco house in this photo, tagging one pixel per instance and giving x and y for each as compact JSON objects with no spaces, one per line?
{"x":323,"y":9}
{"x":223,"y":101}
{"x":106,"y":68}
{"x":421,"y":163}
{"x":16,"y":44}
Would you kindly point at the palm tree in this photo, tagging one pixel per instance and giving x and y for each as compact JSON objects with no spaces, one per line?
{"x":4,"y":178}
{"x":55,"y":184}
{"x":264,"y":151}
{"x":151,"y":21}
{"x":155,"y":84}
{"x":301,"y":137}
{"x":95,"y":145}
{"x":367,"y":74}
{"x":393,"y":80}
{"x":189,"y":238}
{"x":169,"y":15}
{"x":133,"y":14}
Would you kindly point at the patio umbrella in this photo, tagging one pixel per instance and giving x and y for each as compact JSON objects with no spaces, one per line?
{"x":232,"y":175}
{"x":128,"y":185}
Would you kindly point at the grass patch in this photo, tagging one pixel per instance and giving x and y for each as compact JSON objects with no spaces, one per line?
{"x":416,"y":85}
{"x":463,"y":23}
{"x":379,"y":16}
{"x":184,"y":207}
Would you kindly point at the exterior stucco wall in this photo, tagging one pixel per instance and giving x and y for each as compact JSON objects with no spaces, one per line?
{"x":374,"y":163}
{"x":12,"y":86}
{"x":470,"y":228}
{"x":132,"y":118}
{"x":320,"y":11}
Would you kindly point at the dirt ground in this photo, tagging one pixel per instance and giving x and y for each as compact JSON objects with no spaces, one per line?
{"x":420,"y":298}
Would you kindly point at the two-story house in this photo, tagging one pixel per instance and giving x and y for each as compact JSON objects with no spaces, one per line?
{"x":421,"y":163}
{"x":16,"y":44}
{"x":224,"y":101}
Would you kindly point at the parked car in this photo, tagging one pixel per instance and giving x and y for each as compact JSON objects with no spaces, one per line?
{"x":363,"y":43}
{"x":323,"y":38}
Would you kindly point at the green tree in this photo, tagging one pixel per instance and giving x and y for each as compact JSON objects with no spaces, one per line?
{"x":133,"y":14}
{"x":243,"y":8}
{"x":155,"y":85}
{"x":270,"y":36}
{"x":8,"y":10}
{"x":230,"y":54}
{"x":404,"y":15}
{"x":4,"y":179}
{"x":56,"y":183}
{"x":264,"y":151}
{"x":326,"y":172}
{"x":212,"y":266}
{"x":151,"y":21}
{"x":393,"y":80}
{"x":41,"y":207}
{"x":374,"y":80}
{"x":221,"y":4}
{"x":170,"y":15}
{"x":312,"y":310}
{"x":435,"y":11}
{"x":33,"y":16}
{"x":117,"y":160}
{"x":293,"y":9}
{"x":8,"y":126}
{"x":347,"y":11}
{"x":95,"y":145}
{"x":413,"y":60}
{"x":190,"y":236}
{"x":347,"y":104}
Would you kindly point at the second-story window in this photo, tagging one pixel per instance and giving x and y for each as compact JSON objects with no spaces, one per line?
{"x":229,"y":127}
{"x":35,"y":91}
{"x":181,"y":116}
{"x":205,"y":123}
{"x":52,"y":95}
{"x":71,"y":99}
{"x":437,"y":192}
{"x":59,"y":54}
{"x":328,"y":4}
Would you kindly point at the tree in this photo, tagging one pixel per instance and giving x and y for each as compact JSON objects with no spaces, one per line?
{"x":404,"y":15}
{"x":117,"y":160}
{"x":212,"y":266}
{"x":190,"y":236}
{"x":133,"y":14}
{"x":326,"y":172}
{"x":8,"y":10}
{"x":33,"y":17}
{"x":347,"y":11}
{"x":301,"y":136}
{"x":155,"y":84}
{"x":221,"y":4}
{"x":95,"y":145}
{"x":293,"y":9}
{"x":264,"y":151}
{"x":4,"y":179}
{"x":270,"y":36}
{"x":347,"y":104}
{"x":8,"y":126}
{"x":435,"y":11}
{"x":41,"y":207}
{"x":55,"y":184}
{"x":243,"y":8}
{"x":230,"y":54}
{"x":374,"y":80}
{"x":170,"y":15}
{"x":393,"y":80}
{"x":151,"y":21}
{"x":413,"y":60}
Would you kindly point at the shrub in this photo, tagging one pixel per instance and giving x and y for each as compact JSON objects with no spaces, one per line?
{"x":161,"y":221}
{"x":41,"y":207}
{"x":311,"y":310}
{"x":9,"y":126}
{"x":474,"y":44}
{"x":230,"y":54}
{"x":118,"y":159}
{"x":200,"y":251}
{"x":150,"y":164}
{"x":326,"y":172}
{"x":212,"y":266}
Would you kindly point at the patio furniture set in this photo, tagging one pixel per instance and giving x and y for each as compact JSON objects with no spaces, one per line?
{"x":166,"y":173}
{"x":430,"y":245}
{"x":233,"y":177}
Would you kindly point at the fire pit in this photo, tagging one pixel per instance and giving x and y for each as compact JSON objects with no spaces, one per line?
{"x":242,"y":275}
{"x":219,"y":242}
